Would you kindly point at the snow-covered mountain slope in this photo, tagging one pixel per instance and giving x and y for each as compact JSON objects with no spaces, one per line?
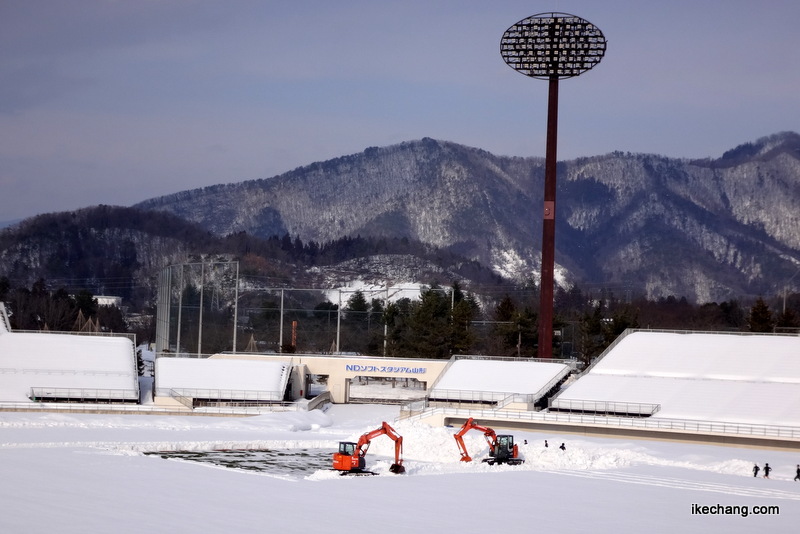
{"x":707,"y":230}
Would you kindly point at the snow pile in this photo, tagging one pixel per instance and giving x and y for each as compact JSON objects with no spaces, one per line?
{"x":432,"y":450}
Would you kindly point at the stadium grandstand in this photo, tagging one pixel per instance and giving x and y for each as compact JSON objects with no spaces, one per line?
{"x":62,"y":367}
{"x":705,"y":376}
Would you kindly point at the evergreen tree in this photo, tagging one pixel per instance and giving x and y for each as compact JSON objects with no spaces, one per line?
{"x":111,"y":319}
{"x":733,"y":313}
{"x":357,"y":303}
{"x":505,"y":309}
{"x":56,"y":311}
{"x":86,"y":302}
{"x":787,"y":319}
{"x":590,"y":341}
{"x":377,"y":306}
{"x":465,"y":309}
{"x":429,"y":328}
{"x":354,"y":328}
{"x":5,"y":286}
{"x":624,"y":318}
{"x":506,"y":326}
{"x":527,"y":323}
{"x":396,"y":316}
{"x":760,"y":317}
{"x":516,"y":329}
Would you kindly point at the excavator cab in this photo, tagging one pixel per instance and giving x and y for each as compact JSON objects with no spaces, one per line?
{"x":348,"y":458}
{"x":347,"y":448}
{"x":504,"y":450}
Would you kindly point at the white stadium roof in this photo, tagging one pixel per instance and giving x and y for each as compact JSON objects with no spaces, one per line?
{"x":66,"y":366}
{"x":219,"y":378}
{"x":494,"y":380}
{"x":752,"y":379}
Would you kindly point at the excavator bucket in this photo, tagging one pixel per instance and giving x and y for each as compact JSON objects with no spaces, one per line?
{"x":397,"y":469}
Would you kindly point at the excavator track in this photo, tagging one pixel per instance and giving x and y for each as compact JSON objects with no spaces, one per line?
{"x":397,"y":469}
{"x":357,"y":473}
{"x":512,"y":461}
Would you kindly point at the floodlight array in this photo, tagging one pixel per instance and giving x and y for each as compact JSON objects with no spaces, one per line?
{"x":553,"y":45}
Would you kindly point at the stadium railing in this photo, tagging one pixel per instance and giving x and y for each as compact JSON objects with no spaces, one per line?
{"x":416,"y":411}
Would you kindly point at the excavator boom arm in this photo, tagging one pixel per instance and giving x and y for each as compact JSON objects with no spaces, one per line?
{"x":385,"y":429}
{"x":470,"y":424}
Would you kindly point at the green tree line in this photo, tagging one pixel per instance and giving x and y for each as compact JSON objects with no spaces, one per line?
{"x":442,"y":322}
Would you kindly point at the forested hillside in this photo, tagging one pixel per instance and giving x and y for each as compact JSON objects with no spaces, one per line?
{"x":642,"y":241}
{"x":708,"y":230}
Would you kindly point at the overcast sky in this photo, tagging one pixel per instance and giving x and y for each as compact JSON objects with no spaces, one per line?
{"x":114,"y":102}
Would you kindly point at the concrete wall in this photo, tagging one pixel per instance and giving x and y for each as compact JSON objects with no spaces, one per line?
{"x":299,"y":381}
{"x":340,"y":369}
{"x":169,"y":402}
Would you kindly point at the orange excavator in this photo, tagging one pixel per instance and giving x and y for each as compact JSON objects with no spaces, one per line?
{"x":350,"y":458}
{"x":502,"y":449}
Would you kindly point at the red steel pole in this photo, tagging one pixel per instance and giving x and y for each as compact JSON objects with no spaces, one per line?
{"x":549,"y":226}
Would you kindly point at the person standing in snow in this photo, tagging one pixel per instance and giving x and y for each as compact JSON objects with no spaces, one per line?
{"x":562,"y":447}
{"x":545,"y":444}
{"x":767,"y":469}
{"x":797,"y":476}
{"x":756,"y":469}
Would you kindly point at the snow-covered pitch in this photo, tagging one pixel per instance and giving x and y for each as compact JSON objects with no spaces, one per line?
{"x":87,"y":473}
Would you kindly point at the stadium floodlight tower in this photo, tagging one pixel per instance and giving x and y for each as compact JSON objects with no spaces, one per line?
{"x":551,"y":46}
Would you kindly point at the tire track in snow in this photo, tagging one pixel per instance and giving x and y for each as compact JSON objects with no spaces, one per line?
{"x":677,"y":483}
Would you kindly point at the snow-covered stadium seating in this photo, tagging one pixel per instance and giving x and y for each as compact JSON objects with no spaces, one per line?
{"x":742,"y":378}
{"x":215,"y":380}
{"x":65,"y":367}
{"x":497,"y":382}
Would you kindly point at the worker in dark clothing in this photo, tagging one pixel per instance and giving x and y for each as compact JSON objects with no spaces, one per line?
{"x":756,"y":469}
{"x":767,"y":469}
{"x":545,"y":444}
{"x":562,"y":447}
{"x":797,"y":476}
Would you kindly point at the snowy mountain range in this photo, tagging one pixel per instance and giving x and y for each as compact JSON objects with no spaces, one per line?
{"x":708,"y":229}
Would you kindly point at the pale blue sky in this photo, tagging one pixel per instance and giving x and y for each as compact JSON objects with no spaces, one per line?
{"x":114,"y":102}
